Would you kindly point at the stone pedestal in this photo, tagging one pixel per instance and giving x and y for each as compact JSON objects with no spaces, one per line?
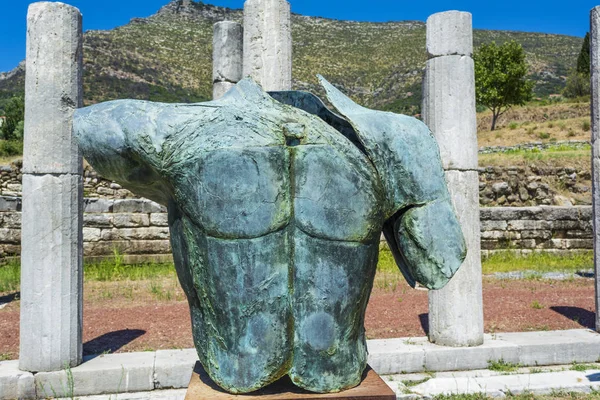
{"x":52,"y":249}
{"x":371,"y":388}
{"x":595,"y":86}
{"x":228,"y":40}
{"x":268,"y":43}
{"x":456,"y":311}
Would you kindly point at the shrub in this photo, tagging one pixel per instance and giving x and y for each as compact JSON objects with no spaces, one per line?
{"x":586,"y":126}
{"x":544,"y":135}
{"x":9,"y":148}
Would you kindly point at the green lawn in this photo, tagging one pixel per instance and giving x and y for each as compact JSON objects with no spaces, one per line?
{"x":388,"y":273}
{"x":509,"y":261}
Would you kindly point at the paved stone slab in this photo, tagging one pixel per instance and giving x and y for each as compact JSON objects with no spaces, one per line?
{"x":498,"y":386}
{"x":15,"y":384}
{"x":133,"y":372}
{"x":154,"y":395}
{"x":555,"y":347}
{"x":173,"y":368}
{"x":113,"y":373}
{"x":389,"y":356}
{"x":440,"y":358}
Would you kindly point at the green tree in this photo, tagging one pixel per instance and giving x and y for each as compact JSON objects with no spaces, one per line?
{"x":578,"y":80}
{"x":578,"y":85}
{"x":500,"y":77}
{"x":18,"y":132}
{"x":15,"y":112}
{"x":583,"y":62}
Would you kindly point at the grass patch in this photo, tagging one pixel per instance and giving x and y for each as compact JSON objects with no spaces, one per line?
{"x":386,"y":261}
{"x":10,"y":277}
{"x":586,"y":126}
{"x":415,"y":383}
{"x":537,"y":263}
{"x":544,"y":135}
{"x":583,"y":367}
{"x":388,"y":275}
{"x":116,"y":270}
{"x":473,"y":396}
{"x":106,"y":271}
{"x":502,"y":366}
{"x":536,"y":305}
{"x":577,"y":158}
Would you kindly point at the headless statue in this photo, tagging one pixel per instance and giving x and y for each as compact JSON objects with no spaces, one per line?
{"x":276,"y":207}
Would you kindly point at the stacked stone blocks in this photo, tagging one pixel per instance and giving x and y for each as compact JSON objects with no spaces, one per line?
{"x":138,"y":229}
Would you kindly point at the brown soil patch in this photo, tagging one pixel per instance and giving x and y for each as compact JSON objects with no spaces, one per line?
{"x":149,"y":321}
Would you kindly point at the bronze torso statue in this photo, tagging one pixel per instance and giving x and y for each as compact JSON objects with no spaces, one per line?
{"x":276,"y":206}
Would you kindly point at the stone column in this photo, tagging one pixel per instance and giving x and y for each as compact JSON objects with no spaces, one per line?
{"x":595,"y":86}
{"x":268,"y":43}
{"x":52,"y":249}
{"x":456,"y":312}
{"x":228,"y":42}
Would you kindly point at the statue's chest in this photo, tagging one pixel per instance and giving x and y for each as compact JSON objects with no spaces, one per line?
{"x":250,"y":192}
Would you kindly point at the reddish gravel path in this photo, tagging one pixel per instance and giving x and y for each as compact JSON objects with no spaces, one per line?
{"x":147,"y":324}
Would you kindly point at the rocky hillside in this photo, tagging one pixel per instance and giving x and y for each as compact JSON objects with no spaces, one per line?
{"x":167,"y":57}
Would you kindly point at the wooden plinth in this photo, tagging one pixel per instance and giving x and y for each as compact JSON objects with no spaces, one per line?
{"x":372,"y":388}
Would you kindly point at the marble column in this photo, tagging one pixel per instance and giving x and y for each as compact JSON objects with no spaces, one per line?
{"x":268,"y":43}
{"x":52,"y":249}
{"x":456,"y":311}
{"x":595,"y":86}
{"x":228,"y":40}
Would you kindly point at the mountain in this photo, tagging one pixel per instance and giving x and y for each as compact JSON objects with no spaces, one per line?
{"x":167,"y":57}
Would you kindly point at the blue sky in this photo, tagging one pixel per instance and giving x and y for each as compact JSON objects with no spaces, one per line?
{"x":549,"y":16}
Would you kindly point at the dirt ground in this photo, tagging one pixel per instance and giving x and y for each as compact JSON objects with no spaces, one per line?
{"x":119,"y":317}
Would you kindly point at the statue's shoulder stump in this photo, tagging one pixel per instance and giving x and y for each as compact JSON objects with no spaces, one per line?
{"x":371,"y":388}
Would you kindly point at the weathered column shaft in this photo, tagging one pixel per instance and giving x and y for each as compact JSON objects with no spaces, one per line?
{"x":268,"y":43}
{"x":228,"y":44}
{"x":456,"y":311}
{"x":51,"y":243}
{"x":595,"y":86}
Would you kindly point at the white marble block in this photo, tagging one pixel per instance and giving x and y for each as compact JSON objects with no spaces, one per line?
{"x":268,"y":43}
{"x":228,"y":43}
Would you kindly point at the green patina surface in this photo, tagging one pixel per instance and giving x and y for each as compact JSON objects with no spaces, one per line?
{"x":276,"y":205}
